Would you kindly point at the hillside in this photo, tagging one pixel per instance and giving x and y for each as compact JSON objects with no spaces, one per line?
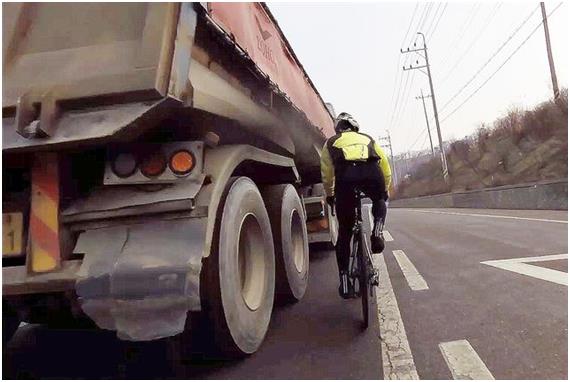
{"x":521,"y":146}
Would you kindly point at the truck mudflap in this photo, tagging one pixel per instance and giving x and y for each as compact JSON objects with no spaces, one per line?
{"x":140,"y":280}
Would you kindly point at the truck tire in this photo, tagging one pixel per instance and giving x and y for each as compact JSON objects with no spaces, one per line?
{"x":288,"y":224}
{"x":239,"y":275}
{"x":10,"y":322}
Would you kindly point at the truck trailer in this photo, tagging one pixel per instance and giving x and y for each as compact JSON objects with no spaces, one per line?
{"x":160,"y":160}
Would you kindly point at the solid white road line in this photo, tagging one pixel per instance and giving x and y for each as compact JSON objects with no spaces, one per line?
{"x":463,"y":361}
{"x":397,"y":358}
{"x":534,"y":259}
{"x":519,"y":265}
{"x":413,"y":277}
{"x":489,"y":216}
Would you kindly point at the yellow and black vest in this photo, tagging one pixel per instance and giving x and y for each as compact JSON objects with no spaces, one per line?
{"x":350,"y":146}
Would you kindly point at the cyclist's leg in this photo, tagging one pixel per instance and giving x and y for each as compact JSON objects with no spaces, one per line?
{"x":345,"y":216}
{"x":375,"y":191}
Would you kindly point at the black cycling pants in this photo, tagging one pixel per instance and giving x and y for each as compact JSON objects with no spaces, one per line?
{"x":345,"y":210}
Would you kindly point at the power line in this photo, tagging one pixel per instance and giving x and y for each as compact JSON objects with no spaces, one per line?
{"x":490,"y":58}
{"x":410,"y":23}
{"x":405,"y":102}
{"x":421,"y":134}
{"x":404,"y":99}
{"x":397,"y":103}
{"x":438,"y":20}
{"x":469,"y":15}
{"x":425,"y":141}
{"x":430,"y":6}
{"x":407,"y":87}
{"x":501,"y":66}
{"x":400,"y":74}
{"x":444,"y":168}
{"x":477,"y":37}
{"x":468,"y":24}
{"x":421,"y":21}
{"x":433,"y":18}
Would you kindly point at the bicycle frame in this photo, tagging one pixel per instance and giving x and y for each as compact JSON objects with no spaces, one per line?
{"x":358,"y":240}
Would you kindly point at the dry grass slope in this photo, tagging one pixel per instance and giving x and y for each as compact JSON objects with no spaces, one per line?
{"x":522,"y":146}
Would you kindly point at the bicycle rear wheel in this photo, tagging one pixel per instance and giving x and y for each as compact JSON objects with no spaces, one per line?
{"x":364,"y":282}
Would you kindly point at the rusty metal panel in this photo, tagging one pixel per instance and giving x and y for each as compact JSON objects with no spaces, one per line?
{"x":75,"y":50}
{"x":216,"y":95}
{"x":254,"y":29}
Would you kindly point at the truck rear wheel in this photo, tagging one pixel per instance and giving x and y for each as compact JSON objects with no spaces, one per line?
{"x":239,"y":274}
{"x":288,"y":223}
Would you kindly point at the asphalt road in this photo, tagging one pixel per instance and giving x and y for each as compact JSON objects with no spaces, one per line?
{"x":443,"y":314}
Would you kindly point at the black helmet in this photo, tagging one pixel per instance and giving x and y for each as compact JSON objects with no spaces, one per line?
{"x":344,"y":122}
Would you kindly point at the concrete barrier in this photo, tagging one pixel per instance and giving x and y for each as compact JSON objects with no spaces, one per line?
{"x":544,"y":195}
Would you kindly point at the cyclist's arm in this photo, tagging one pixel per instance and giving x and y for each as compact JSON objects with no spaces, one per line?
{"x":327,"y":171}
{"x":384,"y":165}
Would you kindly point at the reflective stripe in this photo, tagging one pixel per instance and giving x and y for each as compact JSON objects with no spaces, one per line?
{"x":44,"y":252}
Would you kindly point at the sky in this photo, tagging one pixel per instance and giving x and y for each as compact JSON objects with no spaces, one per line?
{"x":351,"y":51}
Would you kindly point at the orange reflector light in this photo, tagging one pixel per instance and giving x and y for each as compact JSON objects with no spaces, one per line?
{"x":182,"y":162}
{"x":153,"y":165}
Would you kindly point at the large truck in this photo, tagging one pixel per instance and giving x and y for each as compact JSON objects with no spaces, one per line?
{"x":160,"y":160}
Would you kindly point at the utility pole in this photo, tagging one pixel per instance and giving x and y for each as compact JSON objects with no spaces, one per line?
{"x":549,"y":52}
{"x":422,"y":97}
{"x":445,"y":170}
{"x":389,"y":145}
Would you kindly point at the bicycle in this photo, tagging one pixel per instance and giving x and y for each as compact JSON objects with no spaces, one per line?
{"x":361,"y":268}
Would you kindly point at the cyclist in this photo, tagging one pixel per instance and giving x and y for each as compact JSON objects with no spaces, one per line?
{"x":352,"y":160}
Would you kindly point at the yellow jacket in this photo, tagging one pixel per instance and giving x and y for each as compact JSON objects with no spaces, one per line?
{"x":355,"y":147}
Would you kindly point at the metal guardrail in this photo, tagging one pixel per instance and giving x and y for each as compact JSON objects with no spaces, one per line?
{"x":543,"y":195}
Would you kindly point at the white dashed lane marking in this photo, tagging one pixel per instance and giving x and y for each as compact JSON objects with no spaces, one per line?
{"x":397,"y":358}
{"x":521,"y":266}
{"x":463,"y":361}
{"x":387,"y":236}
{"x":413,"y":277}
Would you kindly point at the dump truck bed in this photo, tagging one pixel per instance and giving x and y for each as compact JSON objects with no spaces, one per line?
{"x":75,"y":54}
{"x":76,"y":50}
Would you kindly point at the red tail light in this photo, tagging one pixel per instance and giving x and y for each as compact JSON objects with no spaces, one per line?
{"x":153,"y":165}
